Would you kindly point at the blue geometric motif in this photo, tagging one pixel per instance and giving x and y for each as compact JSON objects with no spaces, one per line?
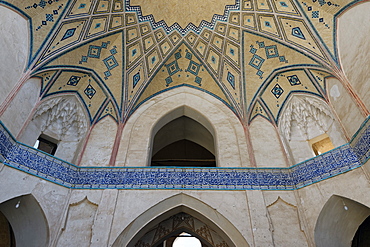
{"x":173,"y":68}
{"x":231,"y":79}
{"x":271,"y":51}
{"x":198,"y":80}
{"x":49,"y":17}
{"x":294,"y":80}
{"x":283,"y":4}
{"x":193,"y":68}
{"x":73,"y":81}
{"x":277,"y":91}
{"x":188,"y":55}
{"x":94,"y":51}
{"x":168,"y":81}
{"x":136,"y":79}
{"x":315,"y":14}
{"x":256,"y":61}
{"x":296,"y":32}
{"x":110,"y":62}
{"x":89,"y":91}
{"x":69,"y":33}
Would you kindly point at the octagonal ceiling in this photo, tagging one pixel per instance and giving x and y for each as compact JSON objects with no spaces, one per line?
{"x":116,"y":54}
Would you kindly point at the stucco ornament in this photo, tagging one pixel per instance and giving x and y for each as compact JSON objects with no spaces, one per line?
{"x":302,"y":111}
{"x":65,"y":112}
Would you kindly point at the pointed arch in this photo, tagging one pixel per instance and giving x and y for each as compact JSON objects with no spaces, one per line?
{"x":338,"y":221}
{"x":60,"y":118}
{"x":227,"y":130}
{"x":303,"y":119}
{"x":180,"y":203}
{"x":27,"y":220}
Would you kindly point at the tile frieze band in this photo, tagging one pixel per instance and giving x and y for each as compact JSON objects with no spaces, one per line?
{"x":337,"y":161}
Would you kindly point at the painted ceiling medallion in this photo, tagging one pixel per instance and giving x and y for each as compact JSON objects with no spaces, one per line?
{"x":182,"y":12}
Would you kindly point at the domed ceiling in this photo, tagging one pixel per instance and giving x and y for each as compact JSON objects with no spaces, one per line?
{"x":116,"y":54}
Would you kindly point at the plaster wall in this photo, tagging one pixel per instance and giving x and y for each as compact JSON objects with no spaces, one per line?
{"x":18,"y":111}
{"x":100,"y":144}
{"x":346,"y":109}
{"x":267,"y":148}
{"x":352,"y":32}
{"x":13,"y":58}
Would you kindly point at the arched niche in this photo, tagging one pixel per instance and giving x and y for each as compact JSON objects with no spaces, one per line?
{"x":230,"y":145}
{"x":63,"y":120}
{"x":15,"y":43}
{"x":303,"y":120}
{"x":183,"y":142}
{"x":164,"y":232}
{"x":353,"y":46}
{"x":338,"y":221}
{"x":177,"y":205}
{"x":27,"y":220}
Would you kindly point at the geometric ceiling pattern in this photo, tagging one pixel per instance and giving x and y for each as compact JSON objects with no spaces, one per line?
{"x":115,"y":55}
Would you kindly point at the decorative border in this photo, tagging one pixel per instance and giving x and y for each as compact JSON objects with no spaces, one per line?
{"x":189,"y":27}
{"x":337,"y":161}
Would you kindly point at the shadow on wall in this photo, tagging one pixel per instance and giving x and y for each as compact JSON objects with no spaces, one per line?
{"x":338,"y":222}
{"x":27,"y":220}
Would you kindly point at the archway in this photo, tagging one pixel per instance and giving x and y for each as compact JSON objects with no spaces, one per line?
{"x":27,"y":221}
{"x":230,"y":145}
{"x":338,"y":221}
{"x":183,"y":142}
{"x":184,"y":208}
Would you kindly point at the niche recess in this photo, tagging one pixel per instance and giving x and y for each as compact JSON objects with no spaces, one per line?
{"x":183,"y":142}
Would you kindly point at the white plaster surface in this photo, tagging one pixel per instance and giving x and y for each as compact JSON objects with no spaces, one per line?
{"x":267,"y":149}
{"x":21,"y":106}
{"x":261,"y":228}
{"x":353,"y":45}
{"x":99,"y":146}
{"x":14,"y":43}
{"x":346,"y":109}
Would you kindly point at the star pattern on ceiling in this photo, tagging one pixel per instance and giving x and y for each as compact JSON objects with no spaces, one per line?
{"x":115,"y":56}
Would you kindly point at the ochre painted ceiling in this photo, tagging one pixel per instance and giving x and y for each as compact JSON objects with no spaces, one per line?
{"x":115,"y":55}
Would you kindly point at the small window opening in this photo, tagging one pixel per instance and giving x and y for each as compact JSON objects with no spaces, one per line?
{"x":321,"y":144}
{"x":46,"y":144}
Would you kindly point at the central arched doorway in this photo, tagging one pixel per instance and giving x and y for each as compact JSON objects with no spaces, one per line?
{"x":164,"y":222}
{"x":183,"y":142}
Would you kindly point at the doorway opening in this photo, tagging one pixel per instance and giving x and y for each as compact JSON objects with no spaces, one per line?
{"x":183,"y":142}
{"x":362,"y":236}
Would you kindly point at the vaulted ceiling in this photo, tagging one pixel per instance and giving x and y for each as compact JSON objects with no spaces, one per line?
{"x":116,"y":54}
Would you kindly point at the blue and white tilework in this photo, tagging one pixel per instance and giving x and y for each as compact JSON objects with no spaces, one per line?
{"x":335,"y":162}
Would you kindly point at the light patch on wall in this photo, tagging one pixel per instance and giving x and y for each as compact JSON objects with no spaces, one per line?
{"x":334,"y":91}
{"x":321,"y":144}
